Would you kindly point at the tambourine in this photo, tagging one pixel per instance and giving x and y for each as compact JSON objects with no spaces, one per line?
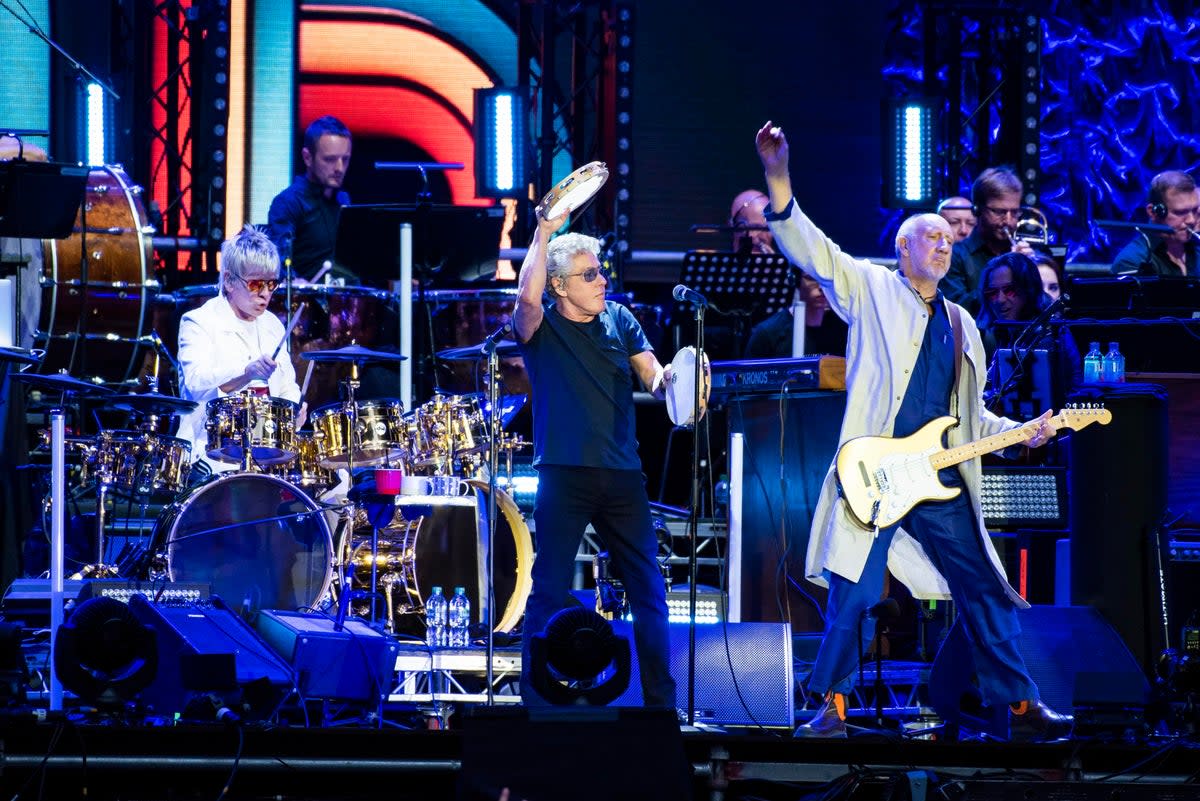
{"x":681,"y":389}
{"x":574,"y":192}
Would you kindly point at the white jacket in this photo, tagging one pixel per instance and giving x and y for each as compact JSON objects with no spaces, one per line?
{"x":887,"y":322}
{"x":214,"y":348}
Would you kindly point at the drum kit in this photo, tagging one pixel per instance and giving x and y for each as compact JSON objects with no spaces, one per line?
{"x":280,"y":531}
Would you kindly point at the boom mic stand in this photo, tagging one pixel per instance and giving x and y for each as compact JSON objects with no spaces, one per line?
{"x":494,"y":417}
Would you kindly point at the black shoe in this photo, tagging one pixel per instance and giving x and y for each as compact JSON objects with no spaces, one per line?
{"x":1038,"y":723}
{"x":829,"y":722}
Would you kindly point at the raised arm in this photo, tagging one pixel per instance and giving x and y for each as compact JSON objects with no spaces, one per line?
{"x":531,"y":283}
{"x":773,"y":152}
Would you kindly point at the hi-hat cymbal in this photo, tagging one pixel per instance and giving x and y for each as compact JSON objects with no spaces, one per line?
{"x":150,"y":403}
{"x":19,"y":355}
{"x":352,"y":353}
{"x":504,"y":349}
{"x":61,"y":382}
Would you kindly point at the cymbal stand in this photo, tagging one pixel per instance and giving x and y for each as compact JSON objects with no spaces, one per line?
{"x":248,"y":465}
{"x":493,"y":418}
{"x":58,"y":484}
{"x":350,"y":408}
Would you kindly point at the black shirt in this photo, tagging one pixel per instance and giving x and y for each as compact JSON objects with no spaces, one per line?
{"x":772,"y":338}
{"x":302,"y":223}
{"x":1139,"y":257}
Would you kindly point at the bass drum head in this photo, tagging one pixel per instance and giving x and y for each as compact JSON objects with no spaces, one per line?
{"x":259,"y":541}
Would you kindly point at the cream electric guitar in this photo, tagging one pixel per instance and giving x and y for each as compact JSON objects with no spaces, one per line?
{"x":882,"y":478}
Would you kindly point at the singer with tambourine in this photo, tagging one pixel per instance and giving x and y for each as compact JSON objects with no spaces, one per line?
{"x":232,"y":343}
{"x":584,"y":353}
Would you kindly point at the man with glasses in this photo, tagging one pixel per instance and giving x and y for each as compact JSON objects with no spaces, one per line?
{"x":1175,"y":203}
{"x":996,"y":194}
{"x":228,"y":344}
{"x":583,"y":353}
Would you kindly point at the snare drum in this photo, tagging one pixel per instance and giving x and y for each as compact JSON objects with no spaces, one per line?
{"x":139,"y":464}
{"x":271,"y":423}
{"x":261,"y":542}
{"x":378,"y":437}
{"x":442,"y":541}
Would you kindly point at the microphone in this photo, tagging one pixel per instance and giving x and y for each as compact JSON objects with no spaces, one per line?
{"x":162,"y":348}
{"x":494,"y":338}
{"x":684,"y":295}
{"x":1040,"y":321}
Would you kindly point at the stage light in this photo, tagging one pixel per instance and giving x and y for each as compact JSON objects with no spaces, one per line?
{"x":500,"y":125}
{"x":96,"y":133}
{"x":103,"y":653}
{"x":579,"y":659}
{"x":909,"y":177}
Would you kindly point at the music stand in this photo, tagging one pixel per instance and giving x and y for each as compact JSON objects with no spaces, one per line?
{"x":757,"y":282}
{"x":40,"y":199}
{"x":456,"y":244}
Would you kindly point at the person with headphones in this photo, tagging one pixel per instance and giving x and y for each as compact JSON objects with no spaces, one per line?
{"x":750,"y":234}
{"x":584,"y":354}
{"x":959,"y":212}
{"x":996,"y":195}
{"x":1175,"y":203}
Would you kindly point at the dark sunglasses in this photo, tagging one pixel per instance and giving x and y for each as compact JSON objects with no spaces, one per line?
{"x":256,"y":285}
{"x":589,"y":275}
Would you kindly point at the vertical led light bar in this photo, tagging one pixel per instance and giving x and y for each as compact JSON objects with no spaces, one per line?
{"x":500,"y":148}
{"x":96,"y":133}
{"x":910,"y":181}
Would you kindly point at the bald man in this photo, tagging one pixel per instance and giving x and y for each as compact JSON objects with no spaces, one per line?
{"x":917,"y":357}
{"x":959,"y":212}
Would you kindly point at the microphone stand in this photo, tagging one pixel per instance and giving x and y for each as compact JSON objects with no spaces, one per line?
{"x":694,"y":518}
{"x":493,"y":368}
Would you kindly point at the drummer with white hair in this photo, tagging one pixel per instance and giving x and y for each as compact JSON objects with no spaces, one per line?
{"x":583,"y":353}
{"x":232,"y":342}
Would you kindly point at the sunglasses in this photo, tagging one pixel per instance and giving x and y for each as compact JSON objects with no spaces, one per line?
{"x":256,"y":285}
{"x":1008,"y":291}
{"x":589,"y":275}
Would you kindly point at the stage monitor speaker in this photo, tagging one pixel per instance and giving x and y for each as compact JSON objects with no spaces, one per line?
{"x":1078,"y":661}
{"x":356,"y":663}
{"x":576,"y":752}
{"x":743,"y":673}
{"x":206,"y":648}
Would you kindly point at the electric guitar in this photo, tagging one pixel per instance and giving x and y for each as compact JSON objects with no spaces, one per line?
{"x":882,"y":478}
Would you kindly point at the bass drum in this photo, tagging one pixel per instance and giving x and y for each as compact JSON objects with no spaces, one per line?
{"x":257,"y":539}
{"x":91,"y":323}
{"x":441,"y":541}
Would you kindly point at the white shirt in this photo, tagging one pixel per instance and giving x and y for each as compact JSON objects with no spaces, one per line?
{"x":887,"y":323}
{"x":214,"y":348}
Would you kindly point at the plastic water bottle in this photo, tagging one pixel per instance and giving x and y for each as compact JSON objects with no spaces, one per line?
{"x":1113,"y":367}
{"x":460,"y":619}
{"x":435,"y":619}
{"x":1092,"y":364}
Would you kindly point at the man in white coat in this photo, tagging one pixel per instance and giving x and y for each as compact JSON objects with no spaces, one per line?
{"x":226,"y":345}
{"x":901,"y":373}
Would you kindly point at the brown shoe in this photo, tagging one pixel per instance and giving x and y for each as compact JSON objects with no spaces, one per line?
{"x":1033,"y":722}
{"x":829,"y":721}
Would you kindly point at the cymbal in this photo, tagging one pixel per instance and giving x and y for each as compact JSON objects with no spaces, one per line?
{"x":150,"y":403}
{"x":61,"y":382}
{"x":352,"y":353}
{"x":509,"y":405}
{"x":504,"y":349}
{"x":19,"y":355}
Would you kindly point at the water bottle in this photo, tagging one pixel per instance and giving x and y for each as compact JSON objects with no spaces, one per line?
{"x":721,"y":497}
{"x":1113,"y":368}
{"x":460,"y":619}
{"x":435,"y":619}
{"x":1092,"y":364}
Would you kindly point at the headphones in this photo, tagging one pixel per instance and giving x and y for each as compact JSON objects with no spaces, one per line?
{"x":1159,"y":210}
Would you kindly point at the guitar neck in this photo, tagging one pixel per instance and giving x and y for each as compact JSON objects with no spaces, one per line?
{"x":971,"y":450}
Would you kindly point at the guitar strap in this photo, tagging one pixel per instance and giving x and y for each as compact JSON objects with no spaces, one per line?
{"x":956,"y":327}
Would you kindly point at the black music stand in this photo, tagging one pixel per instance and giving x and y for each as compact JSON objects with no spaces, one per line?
{"x":40,"y":199}
{"x":755,"y":282}
{"x":452,"y":245}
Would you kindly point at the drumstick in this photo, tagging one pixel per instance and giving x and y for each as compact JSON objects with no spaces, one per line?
{"x":307,"y":378}
{"x":290,"y":327}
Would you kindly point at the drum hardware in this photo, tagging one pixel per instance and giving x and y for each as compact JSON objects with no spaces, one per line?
{"x":20,"y":355}
{"x":505,"y":348}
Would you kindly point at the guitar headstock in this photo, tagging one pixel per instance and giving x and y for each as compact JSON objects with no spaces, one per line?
{"x":1077,"y":417}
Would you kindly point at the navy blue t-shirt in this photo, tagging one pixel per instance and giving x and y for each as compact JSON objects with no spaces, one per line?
{"x":583,"y":389}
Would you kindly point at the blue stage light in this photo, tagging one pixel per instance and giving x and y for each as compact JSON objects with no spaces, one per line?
{"x":500,"y":143}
